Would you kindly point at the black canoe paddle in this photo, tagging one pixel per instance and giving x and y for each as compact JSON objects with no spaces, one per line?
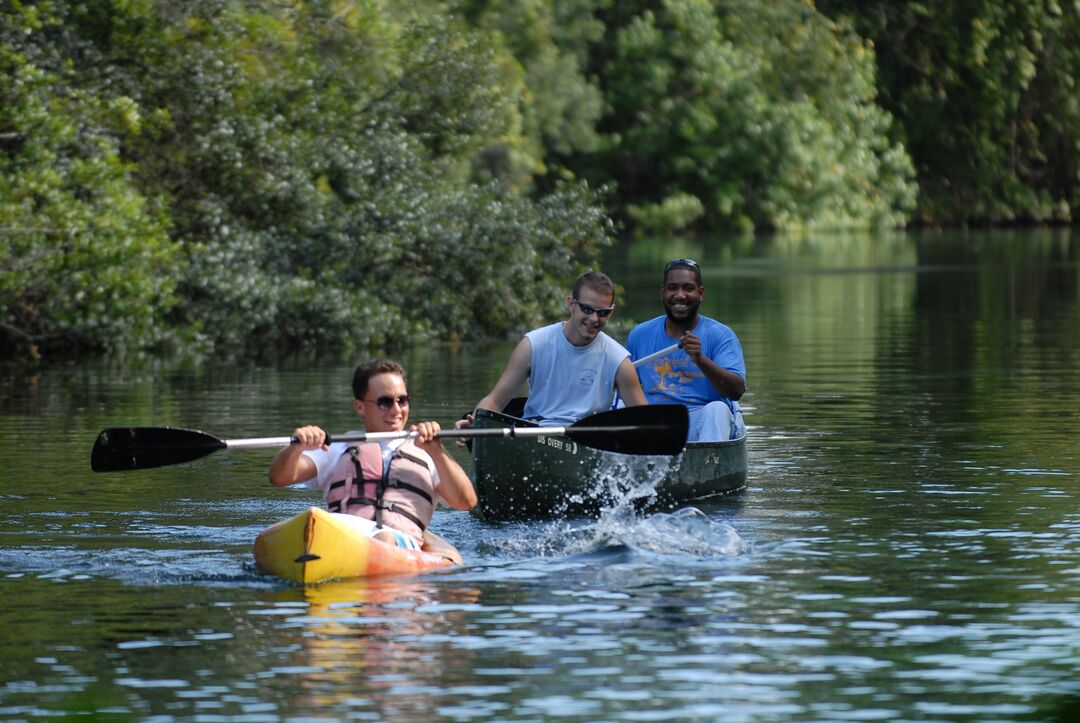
{"x":657,"y":429}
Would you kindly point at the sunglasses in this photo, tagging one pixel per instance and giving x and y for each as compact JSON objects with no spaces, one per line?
{"x":385,"y":403}
{"x":588,"y":310}
{"x":688,"y":263}
{"x":684,"y":263}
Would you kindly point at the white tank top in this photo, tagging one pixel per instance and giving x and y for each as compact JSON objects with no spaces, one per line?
{"x":568,"y":382}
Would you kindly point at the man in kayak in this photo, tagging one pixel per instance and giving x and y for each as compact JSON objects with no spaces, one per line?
{"x":572,"y":366}
{"x":395,"y":483}
{"x":707,"y":374}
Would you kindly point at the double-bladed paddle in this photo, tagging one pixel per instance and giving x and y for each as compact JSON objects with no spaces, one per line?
{"x":657,"y":429}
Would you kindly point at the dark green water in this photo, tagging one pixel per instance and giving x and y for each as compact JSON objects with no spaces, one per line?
{"x":908,"y":548}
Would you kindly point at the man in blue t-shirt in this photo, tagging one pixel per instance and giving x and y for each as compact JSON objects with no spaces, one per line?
{"x":708,"y":374}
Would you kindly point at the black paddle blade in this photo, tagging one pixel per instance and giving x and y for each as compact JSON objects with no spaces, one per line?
{"x":648,"y":429}
{"x":124,"y":448}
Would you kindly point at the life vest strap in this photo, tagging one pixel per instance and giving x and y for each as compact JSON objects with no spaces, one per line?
{"x":338,"y":506}
{"x":398,"y":509}
{"x":411,"y":488}
{"x":379,"y":506}
{"x":411,"y":457}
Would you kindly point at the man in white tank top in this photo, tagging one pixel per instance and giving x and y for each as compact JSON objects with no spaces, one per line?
{"x":573,"y":368}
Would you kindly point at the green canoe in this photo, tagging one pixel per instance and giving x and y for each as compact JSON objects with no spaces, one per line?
{"x":546,"y":477}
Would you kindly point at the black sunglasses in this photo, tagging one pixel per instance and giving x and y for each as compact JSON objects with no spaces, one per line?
{"x":588,"y":310}
{"x":385,"y":403}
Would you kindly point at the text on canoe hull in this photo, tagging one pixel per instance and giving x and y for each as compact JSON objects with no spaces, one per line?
{"x":565,"y":445}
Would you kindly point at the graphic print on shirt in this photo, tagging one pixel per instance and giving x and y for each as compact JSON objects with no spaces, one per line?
{"x":672,"y":374}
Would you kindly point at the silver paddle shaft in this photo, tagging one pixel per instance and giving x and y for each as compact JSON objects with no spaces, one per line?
{"x":268,"y":442}
{"x":657,"y":354}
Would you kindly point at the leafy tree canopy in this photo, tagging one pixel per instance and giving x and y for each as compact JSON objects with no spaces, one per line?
{"x":986,"y":95}
{"x":258,"y":177}
{"x":273,"y":177}
{"x":745,"y":115}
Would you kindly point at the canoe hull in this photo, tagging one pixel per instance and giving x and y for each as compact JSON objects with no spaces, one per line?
{"x":316,"y":545}
{"x":554,"y":476}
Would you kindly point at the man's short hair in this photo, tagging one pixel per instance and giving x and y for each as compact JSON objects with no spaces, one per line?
{"x":369,"y":369}
{"x":597,"y":281}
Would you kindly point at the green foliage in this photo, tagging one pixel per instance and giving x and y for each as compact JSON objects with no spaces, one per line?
{"x":674,"y":213}
{"x":986,"y":94}
{"x":256,"y":177}
{"x":544,"y":46}
{"x":85,"y":261}
{"x":346,"y":217}
{"x":764,"y":112}
{"x":316,"y":167}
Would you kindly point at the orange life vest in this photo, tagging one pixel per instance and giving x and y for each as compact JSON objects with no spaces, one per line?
{"x":403,"y":497}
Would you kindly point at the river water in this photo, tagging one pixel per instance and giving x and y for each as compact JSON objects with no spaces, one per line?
{"x":908,"y":547}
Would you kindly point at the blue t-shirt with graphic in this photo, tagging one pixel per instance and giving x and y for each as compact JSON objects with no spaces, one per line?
{"x":674,"y":378}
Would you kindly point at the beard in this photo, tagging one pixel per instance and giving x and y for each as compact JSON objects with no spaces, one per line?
{"x":688,"y":320}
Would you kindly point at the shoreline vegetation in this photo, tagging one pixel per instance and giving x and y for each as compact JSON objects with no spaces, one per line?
{"x":233,"y":178}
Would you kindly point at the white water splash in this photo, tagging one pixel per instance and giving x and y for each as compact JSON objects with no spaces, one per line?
{"x":623,"y":487}
{"x":623,"y":483}
{"x":687,"y":531}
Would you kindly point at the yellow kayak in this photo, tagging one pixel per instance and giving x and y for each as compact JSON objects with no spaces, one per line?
{"x":317,"y":545}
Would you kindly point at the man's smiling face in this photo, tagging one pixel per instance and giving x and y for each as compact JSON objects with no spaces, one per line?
{"x":681,"y":295}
